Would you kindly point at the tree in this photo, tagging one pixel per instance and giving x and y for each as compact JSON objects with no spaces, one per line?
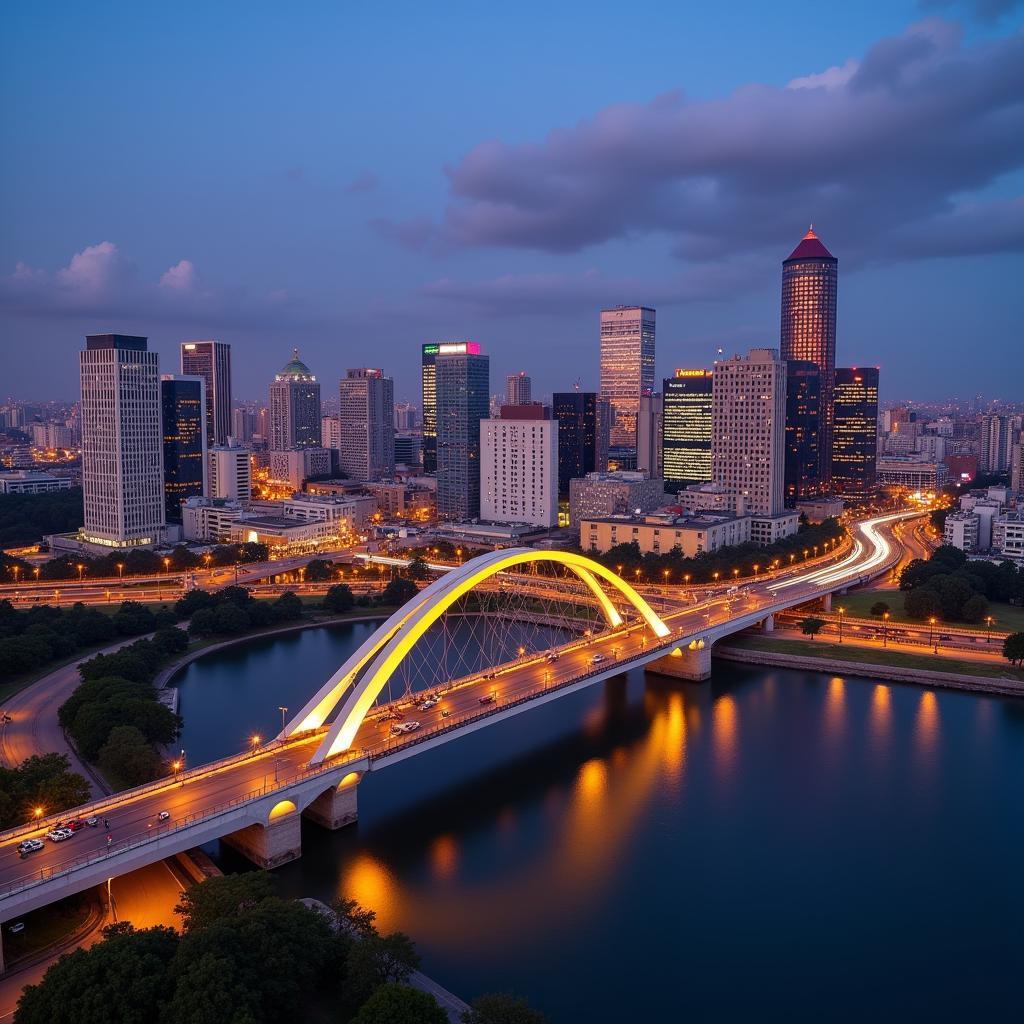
{"x":499,"y":1008}
{"x":1013,"y":648}
{"x":974,"y":609}
{"x":202,"y":623}
{"x":127,"y":758}
{"x":811,"y":627}
{"x":922,"y":603}
{"x":398,"y":591}
{"x":339,"y":599}
{"x":879,"y":608}
{"x":122,"y":979}
{"x":379,"y":960}
{"x":400,"y":1004}
{"x":418,"y":569}
{"x":223,"y":897}
{"x":43,"y":780}
{"x":288,"y":607}
{"x":319,"y":570}
{"x":229,"y":618}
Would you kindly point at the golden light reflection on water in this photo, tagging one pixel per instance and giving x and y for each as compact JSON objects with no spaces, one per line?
{"x":835,"y":707}
{"x":444,"y":857}
{"x":926,"y":725}
{"x":592,"y":782}
{"x":723,"y":731}
{"x":675,"y":736}
{"x":371,"y":885}
{"x":880,"y":721}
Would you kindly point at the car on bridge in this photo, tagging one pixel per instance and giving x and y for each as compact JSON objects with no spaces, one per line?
{"x":598,"y":658}
{"x":58,"y":835}
{"x":430,"y":702}
{"x":30,"y":846}
{"x":551,"y":656}
{"x":404,"y":727}
{"x":488,"y":698}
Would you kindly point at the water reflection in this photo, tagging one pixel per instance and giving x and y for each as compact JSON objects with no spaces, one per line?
{"x":723,"y":735}
{"x":926,"y":727}
{"x":880,"y":721}
{"x":835,"y":709}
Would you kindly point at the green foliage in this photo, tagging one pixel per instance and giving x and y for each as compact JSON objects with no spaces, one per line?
{"x":922,"y":603}
{"x":339,"y":599}
{"x":417,"y":568}
{"x":379,"y":960}
{"x":288,"y":607}
{"x":500,"y":1008}
{"x":27,"y":518}
{"x":400,"y":1004}
{"x":812,"y":627}
{"x":398,"y":591}
{"x":224,"y":897}
{"x":1013,"y":648}
{"x":879,"y":608}
{"x":319,"y":570}
{"x":127,"y":758}
{"x":43,"y":780}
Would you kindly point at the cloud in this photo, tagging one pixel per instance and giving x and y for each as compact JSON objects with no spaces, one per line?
{"x":986,"y":11}
{"x":879,"y":150}
{"x":92,"y":275}
{"x":365,"y":182}
{"x":181,"y":277}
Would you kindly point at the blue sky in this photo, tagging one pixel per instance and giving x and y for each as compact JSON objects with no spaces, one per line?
{"x":354,"y":180}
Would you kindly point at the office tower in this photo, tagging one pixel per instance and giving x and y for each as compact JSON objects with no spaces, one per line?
{"x":428,"y":402}
{"x":330,"y":432}
{"x":122,"y":447}
{"x":367,"y":428}
{"x":803,"y":431}
{"x":648,"y":434}
{"x":996,"y":439}
{"x":463,"y":384}
{"x":686,"y":428}
{"x":211,"y":360}
{"x":294,"y":407}
{"x":518,"y":389}
{"x":855,"y":431}
{"x":183,"y":406}
{"x":627,"y":367}
{"x":584,"y":422}
{"x":748,"y":429}
{"x":519,"y":466}
{"x":405,"y":416}
{"x":231,"y":473}
{"x":809,"y":278}
{"x":243,"y":424}
{"x":408,"y":449}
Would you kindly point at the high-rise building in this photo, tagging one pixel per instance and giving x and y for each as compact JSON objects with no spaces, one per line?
{"x":231,"y":473}
{"x":518,"y":389}
{"x":463,"y":386}
{"x":367,"y":429}
{"x":122,"y":446}
{"x":330,"y":432}
{"x":855,"y":431}
{"x":211,"y":360}
{"x":243,"y":424}
{"x":996,"y":439}
{"x":183,"y":406}
{"x":627,"y":367}
{"x":405,"y":416}
{"x":584,"y":420}
{"x":686,"y":428}
{"x":519,"y":466}
{"x":294,"y":407}
{"x":809,"y":278}
{"x":748,"y":429}
{"x":803,"y":427}
{"x":428,"y":376}
{"x":648,"y":434}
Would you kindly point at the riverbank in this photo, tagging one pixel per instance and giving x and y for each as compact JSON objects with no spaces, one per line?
{"x":894,"y":666}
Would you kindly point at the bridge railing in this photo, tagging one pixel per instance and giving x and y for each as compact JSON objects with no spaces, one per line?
{"x":156,"y":832}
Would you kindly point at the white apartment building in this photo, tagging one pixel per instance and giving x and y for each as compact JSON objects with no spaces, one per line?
{"x":122,"y":443}
{"x":912,"y":473}
{"x":209,"y":519}
{"x":748,"y":428}
{"x":1008,"y":535}
{"x":366,"y":417}
{"x":23,"y":481}
{"x":961,"y":531}
{"x":330,"y":432}
{"x":230,"y":473}
{"x":321,"y":508}
{"x":519,"y":467}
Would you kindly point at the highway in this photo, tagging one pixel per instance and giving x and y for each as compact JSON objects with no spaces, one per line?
{"x":133,"y":814}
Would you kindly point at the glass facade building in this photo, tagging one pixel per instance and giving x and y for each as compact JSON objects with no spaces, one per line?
{"x":183,"y":410}
{"x":803,"y":431}
{"x":211,"y":360}
{"x":686,"y":428}
{"x":583,"y":426}
{"x":294,"y":408}
{"x":463,"y":396}
{"x":428,"y":384}
{"x":855,"y":431}
{"x":809,"y":279}
{"x":627,"y":368}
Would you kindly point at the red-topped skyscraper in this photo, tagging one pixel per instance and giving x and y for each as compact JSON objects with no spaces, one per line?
{"x":809,"y":278}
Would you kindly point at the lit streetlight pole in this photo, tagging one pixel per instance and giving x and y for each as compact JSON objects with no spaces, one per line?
{"x":842,"y":611}
{"x":931,"y":635}
{"x":885,"y":630}
{"x":284,"y":711}
{"x":988,"y":628}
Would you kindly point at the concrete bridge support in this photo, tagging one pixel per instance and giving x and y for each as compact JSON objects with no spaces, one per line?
{"x":273,"y":844}
{"x":692,"y":663}
{"x":768,"y":625}
{"x":826,"y":603}
{"x":337,"y":807}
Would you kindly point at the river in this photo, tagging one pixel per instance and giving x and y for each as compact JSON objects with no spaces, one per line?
{"x":770,"y":845}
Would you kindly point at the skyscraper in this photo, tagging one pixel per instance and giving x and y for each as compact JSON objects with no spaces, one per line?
{"x":803,"y":431}
{"x":294,"y":407}
{"x":518,"y":389}
{"x":366,"y":424}
{"x":748,"y":429}
{"x":648,"y":434}
{"x":519,"y":466}
{"x":463,"y":386}
{"x":183,"y":406}
{"x":627,"y":367}
{"x":686,"y":428}
{"x":855,"y":431}
{"x":996,"y":441}
{"x":583,"y":427}
{"x":211,"y":360}
{"x":122,"y":447}
{"x":809,"y":278}
{"x":428,"y":400}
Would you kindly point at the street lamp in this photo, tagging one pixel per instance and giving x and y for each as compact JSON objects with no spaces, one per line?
{"x":842,"y":611}
{"x":885,"y":629}
{"x":120,"y":573}
{"x":176,"y":765}
{"x":37,"y":813}
{"x":931,"y":635}
{"x":81,"y":570}
{"x":735,"y":573}
{"x":666,"y":572}
{"x":522,"y":651}
{"x":716,"y":574}
{"x":988,"y":628}
{"x":36,"y":571}
{"x":686,"y":578}
{"x":255,"y":741}
{"x":284,"y":711}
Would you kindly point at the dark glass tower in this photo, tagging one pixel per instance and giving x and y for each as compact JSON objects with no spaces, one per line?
{"x":855,"y":431}
{"x":583,"y":428}
{"x":184,"y":417}
{"x":211,"y":360}
{"x":809,"y":279}
{"x":686,"y":429}
{"x":429,"y":395}
{"x":463,"y":397}
{"x":803,"y":431}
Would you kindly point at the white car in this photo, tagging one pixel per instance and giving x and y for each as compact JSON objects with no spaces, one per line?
{"x":163,"y":815}
{"x":58,"y":835}
{"x":597,"y":659}
{"x":426,"y":705}
{"x":30,"y":846}
{"x":404,"y":727}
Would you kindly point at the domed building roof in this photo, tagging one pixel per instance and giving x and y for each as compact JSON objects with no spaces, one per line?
{"x":295,"y":370}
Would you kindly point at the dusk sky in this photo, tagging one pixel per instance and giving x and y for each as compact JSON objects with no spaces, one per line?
{"x":355,"y":179}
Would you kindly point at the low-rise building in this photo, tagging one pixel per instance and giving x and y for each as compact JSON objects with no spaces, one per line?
{"x":1008,"y":535}
{"x":22,"y":481}
{"x":286,"y":534}
{"x":661,"y":533}
{"x":911,"y":474}
{"x":297,"y":466}
{"x":209,"y":519}
{"x":606,"y":494}
{"x":711,"y":497}
{"x":820,"y":509}
{"x":357,"y":509}
{"x":961,"y":531}
{"x":767,"y":530}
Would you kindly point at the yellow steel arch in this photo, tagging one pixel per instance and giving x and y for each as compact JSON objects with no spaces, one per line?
{"x":398,"y":638}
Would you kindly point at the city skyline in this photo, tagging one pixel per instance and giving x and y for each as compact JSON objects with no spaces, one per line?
{"x":913,"y":240}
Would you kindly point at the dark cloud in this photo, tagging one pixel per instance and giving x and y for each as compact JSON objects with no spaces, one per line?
{"x":988,"y":11}
{"x":878,"y":152}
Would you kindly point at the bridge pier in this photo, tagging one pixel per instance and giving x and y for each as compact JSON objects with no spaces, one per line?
{"x":692,"y":663}
{"x":273,"y":844}
{"x":826,"y":603}
{"x":337,"y":807}
{"x":768,"y":624}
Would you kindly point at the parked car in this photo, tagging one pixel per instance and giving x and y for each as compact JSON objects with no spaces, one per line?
{"x":30,"y":846}
{"x":58,"y":835}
